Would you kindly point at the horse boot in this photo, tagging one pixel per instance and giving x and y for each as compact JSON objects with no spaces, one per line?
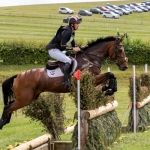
{"x":109,"y":92}
{"x":67,"y":82}
{"x":113,"y":84}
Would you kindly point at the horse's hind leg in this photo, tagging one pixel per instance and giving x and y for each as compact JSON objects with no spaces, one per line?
{"x":7,"y":112}
{"x":21,"y":101}
{"x":5,"y":115}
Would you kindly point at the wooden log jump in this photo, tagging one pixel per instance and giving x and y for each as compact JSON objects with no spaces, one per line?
{"x":144,"y":102}
{"x":34,"y":143}
{"x":141,"y":103}
{"x":90,"y":114}
{"x":102,"y":110}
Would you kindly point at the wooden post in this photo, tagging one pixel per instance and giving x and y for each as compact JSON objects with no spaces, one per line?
{"x":84,"y":129}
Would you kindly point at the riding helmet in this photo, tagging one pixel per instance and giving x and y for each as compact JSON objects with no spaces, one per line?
{"x":75,"y":19}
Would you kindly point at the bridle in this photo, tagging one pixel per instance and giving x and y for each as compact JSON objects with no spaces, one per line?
{"x":116,"y":53}
{"x":100,"y":58}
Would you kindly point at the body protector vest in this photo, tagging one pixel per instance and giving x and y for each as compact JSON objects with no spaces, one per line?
{"x":62,"y":36}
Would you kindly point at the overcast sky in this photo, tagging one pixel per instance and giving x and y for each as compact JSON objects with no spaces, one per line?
{"x":31,"y":2}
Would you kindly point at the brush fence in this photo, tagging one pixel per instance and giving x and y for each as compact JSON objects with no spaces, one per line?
{"x":142,"y":94}
{"x":107,"y":117}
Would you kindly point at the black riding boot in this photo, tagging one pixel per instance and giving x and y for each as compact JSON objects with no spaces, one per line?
{"x":67,"y":75}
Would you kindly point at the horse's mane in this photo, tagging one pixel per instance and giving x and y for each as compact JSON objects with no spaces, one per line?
{"x":99,"y":40}
{"x":94,"y":42}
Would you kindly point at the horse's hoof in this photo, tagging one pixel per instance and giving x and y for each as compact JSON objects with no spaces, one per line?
{"x":1,"y":123}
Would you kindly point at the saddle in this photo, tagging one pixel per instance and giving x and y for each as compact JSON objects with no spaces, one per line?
{"x":54,"y":65}
{"x":51,"y":65}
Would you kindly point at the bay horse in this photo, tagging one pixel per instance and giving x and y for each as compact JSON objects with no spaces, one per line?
{"x":28,"y":85}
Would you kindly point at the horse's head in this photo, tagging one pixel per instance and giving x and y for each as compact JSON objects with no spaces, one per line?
{"x":118,"y":55}
{"x":98,"y":50}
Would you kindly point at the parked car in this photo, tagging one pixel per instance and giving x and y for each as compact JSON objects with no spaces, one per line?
{"x":102,"y":8}
{"x":135,"y":4}
{"x":112,"y":6}
{"x":95,"y":11}
{"x":125,"y":12}
{"x":84,"y":13}
{"x":146,"y":6}
{"x":114,"y":10}
{"x":134,"y":8}
{"x":65,"y":20}
{"x":143,"y":8}
{"x":109,"y":14}
{"x":126,"y":8}
{"x":147,"y":3}
{"x":65,"y":10}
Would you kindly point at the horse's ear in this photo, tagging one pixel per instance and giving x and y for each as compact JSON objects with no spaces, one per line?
{"x":118,"y":34}
{"x":122,"y":38}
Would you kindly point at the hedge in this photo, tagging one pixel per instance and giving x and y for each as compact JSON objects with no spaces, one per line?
{"x":22,"y":52}
{"x":137,"y":51}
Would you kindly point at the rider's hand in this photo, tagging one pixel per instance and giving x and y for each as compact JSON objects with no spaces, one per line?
{"x":76,"y":49}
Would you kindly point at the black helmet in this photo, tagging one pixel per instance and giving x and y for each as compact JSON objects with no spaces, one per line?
{"x":75,"y":19}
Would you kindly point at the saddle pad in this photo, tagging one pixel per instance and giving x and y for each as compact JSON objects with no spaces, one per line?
{"x":54,"y":73}
{"x":58,"y":73}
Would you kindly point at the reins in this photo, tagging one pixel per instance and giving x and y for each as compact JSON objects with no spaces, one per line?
{"x":92,"y":54}
{"x":91,"y":64}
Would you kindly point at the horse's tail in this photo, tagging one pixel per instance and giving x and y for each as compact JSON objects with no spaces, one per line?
{"x":7,"y":89}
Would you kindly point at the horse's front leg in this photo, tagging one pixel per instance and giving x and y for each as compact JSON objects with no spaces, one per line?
{"x":102,"y":78}
{"x":112,"y":85}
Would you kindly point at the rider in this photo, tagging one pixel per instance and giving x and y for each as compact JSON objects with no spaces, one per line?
{"x":65,"y":36}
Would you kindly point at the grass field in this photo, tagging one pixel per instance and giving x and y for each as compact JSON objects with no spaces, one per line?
{"x":21,"y":129}
{"x":39,"y":23}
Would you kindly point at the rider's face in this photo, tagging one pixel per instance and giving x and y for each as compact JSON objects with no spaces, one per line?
{"x":76,"y":26}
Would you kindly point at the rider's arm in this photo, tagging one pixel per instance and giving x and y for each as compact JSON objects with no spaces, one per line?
{"x":65,"y":38}
{"x":73,"y":43}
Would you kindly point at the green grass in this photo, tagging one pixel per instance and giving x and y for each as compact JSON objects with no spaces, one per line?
{"x":21,"y":129}
{"x":40,"y":22}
